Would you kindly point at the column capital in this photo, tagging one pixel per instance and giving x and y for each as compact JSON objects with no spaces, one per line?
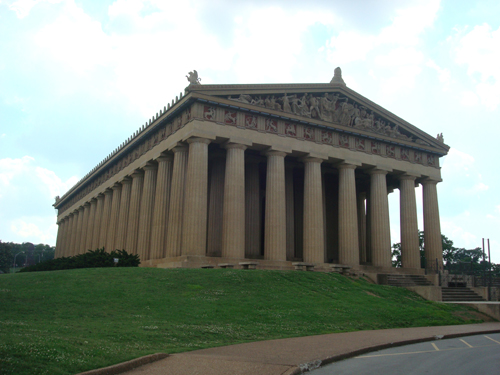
{"x":164,"y":158}
{"x":150,"y":166}
{"x":198,"y":140}
{"x":137,"y":173}
{"x":116,"y":186}
{"x":274,"y":153}
{"x":126,"y":181}
{"x":311,"y":159}
{"x":429,"y":181}
{"x":230,"y":145}
{"x":108,"y":191}
{"x":346,"y":166}
{"x":100,"y":196}
{"x":377,"y":171}
{"x":86,"y":204}
{"x":80,"y":208}
{"x":407,"y":177}
{"x":180,"y":148}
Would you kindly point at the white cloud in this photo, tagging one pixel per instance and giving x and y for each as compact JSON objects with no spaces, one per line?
{"x":479,"y":50}
{"x":23,"y":7}
{"x":12,"y":167}
{"x":27,"y":194}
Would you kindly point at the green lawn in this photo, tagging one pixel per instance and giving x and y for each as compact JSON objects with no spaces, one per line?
{"x":64,"y":322}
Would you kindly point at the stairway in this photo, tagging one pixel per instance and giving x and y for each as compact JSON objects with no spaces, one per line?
{"x":453,"y":294}
{"x":406,"y":280}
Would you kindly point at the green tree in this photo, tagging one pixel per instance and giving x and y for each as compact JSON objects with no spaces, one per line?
{"x":6,"y":257}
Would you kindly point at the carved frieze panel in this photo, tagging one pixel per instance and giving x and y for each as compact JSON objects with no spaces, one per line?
{"x":308,"y":133}
{"x":390,"y":151}
{"x":209,"y":113}
{"x":330,"y":107}
{"x":431,"y":160}
{"x":359,"y":144}
{"x":326,"y":137}
{"x":290,"y":130}
{"x":344,"y":140}
{"x":271,"y":125}
{"x":405,"y":154}
{"x":417,"y":157}
{"x":250,"y":121}
{"x":230,"y":117}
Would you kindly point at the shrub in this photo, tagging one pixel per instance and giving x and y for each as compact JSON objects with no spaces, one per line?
{"x":90,"y":259}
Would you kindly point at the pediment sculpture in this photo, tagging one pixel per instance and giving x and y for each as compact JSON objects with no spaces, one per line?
{"x":330,"y":107}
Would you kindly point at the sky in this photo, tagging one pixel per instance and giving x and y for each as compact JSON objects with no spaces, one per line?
{"x":77,"y":78}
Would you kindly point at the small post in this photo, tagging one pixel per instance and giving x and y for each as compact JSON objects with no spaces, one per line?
{"x":489,"y":271}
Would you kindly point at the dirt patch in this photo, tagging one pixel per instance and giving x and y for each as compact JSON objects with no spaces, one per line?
{"x":476,"y":315}
{"x":372,"y":294}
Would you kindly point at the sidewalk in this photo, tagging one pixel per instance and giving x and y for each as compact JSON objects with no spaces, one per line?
{"x":288,"y":356}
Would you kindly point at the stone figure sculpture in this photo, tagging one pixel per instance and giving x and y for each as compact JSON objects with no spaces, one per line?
{"x":440,"y":138}
{"x":331,"y":108}
{"x":337,"y":76}
{"x":193,"y":78}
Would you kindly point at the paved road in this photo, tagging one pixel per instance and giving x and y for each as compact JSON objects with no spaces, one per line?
{"x":467,"y":355}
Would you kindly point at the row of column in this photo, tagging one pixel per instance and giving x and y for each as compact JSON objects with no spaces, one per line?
{"x":161,"y":211}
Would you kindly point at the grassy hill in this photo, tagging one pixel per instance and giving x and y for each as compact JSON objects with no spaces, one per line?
{"x":64,"y":322}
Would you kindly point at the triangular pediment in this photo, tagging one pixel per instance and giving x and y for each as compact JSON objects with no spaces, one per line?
{"x":332,"y":105}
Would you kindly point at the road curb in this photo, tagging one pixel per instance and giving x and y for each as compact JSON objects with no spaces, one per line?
{"x":126,"y":366}
{"x":297,"y":370}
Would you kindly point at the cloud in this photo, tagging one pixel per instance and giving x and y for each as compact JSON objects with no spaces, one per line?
{"x":35,"y":229}
{"x":394,"y":50}
{"x":23,"y":7}
{"x":479,"y":50}
{"x":27,"y":194}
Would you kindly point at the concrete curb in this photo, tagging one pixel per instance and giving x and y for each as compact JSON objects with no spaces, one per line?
{"x":126,"y":366}
{"x":306,"y":367}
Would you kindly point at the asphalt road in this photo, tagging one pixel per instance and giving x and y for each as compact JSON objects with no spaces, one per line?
{"x":470,"y":355}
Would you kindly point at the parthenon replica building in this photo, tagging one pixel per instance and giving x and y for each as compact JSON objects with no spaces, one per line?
{"x":266,"y":173}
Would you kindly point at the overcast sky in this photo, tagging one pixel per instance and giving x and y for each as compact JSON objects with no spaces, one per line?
{"x":79,"y":77}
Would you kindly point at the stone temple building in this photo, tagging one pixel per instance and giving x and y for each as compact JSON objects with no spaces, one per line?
{"x":271,"y":174}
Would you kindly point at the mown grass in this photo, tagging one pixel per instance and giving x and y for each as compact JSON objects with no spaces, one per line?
{"x":65,"y":322}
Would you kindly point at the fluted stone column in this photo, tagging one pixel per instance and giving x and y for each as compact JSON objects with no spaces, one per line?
{"x":194,"y":224}
{"x":58,"y":240}
{"x":368,"y":229}
{"x":79,"y":229}
{"x":85,"y":226}
{"x":121,"y":233}
{"x":290,"y":216}
{"x":253,"y":208}
{"x":162,"y":202}
{"x":90,"y":227}
{"x":106,"y":215}
{"x":216,"y":203}
{"x":114,"y":217}
{"x":67,"y":235}
{"x":74,"y":230}
{"x":380,"y":235}
{"x":134,"y":211}
{"x":410,"y":252}
{"x":146,"y":212}
{"x":348,"y":218}
{"x":67,"y":241}
{"x":97,"y":222}
{"x":314,"y":241}
{"x":233,"y":222}
{"x":275,"y":222}
{"x":361,"y":197}
{"x":174,"y":233}
{"x":433,"y":245}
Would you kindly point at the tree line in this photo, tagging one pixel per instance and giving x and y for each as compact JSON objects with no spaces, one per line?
{"x":455,"y":260}
{"x":25,"y":254}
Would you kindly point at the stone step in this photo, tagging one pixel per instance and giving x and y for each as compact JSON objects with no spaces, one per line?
{"x":450,"y":294}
